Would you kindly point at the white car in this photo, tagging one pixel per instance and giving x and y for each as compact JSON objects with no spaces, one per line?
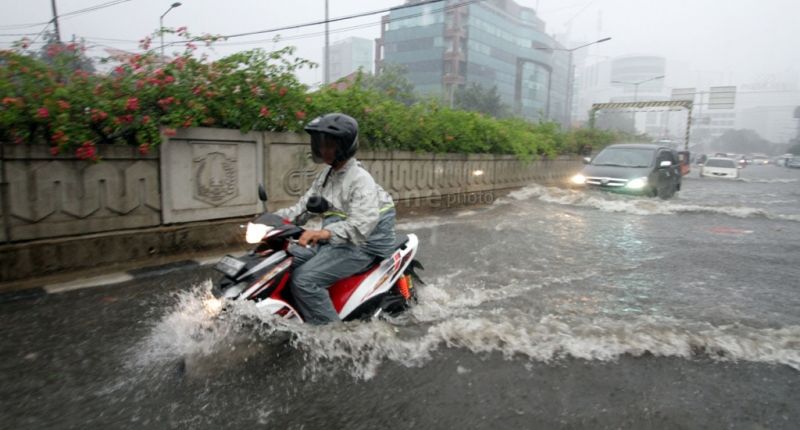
{"x":720,"y":168}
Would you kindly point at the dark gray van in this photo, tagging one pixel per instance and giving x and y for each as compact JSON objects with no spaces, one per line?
{"x":640,"y":168}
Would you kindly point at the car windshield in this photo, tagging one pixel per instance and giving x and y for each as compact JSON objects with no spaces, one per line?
{"x":716,"y":162}
{"x":625,"y":157}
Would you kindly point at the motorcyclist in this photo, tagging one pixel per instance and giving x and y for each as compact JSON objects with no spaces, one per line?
{"x":359,"y":226}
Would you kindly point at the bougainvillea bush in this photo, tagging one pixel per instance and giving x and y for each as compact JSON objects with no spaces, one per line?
{"x":139,"y":96}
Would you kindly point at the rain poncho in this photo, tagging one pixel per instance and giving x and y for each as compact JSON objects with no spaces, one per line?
{"x":361,"y":221}
{"x":358,"y":205}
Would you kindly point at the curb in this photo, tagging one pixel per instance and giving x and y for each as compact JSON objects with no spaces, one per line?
{"x":110,"y":279}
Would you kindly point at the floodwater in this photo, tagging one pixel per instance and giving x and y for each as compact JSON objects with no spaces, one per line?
{"x":549,"y":308}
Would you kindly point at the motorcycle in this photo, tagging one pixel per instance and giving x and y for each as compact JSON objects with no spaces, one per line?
{"x":263,"y":274}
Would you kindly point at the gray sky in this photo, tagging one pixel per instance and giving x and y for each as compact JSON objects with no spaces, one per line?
{"x":747,"y":40}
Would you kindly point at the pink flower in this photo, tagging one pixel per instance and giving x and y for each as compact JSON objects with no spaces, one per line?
{"x":98,"y":115}
{"x":54,"y":150}
{"x":283,"y":91}
{"x":42,"y":113}
{"x":132,"y":104}
{"x":300,"y":115}
{"x":170,"y":132}
{"x":63,"y":104}
{"x":169,"y":79}
{"x":59,"y":137}
{"x":264,"y":112}
{"x":144,"y":149}
{"x":86,"y":151}
{"x":146,"y":119}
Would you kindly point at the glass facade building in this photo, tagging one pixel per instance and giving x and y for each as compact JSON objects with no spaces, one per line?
{"x":494,"y":43}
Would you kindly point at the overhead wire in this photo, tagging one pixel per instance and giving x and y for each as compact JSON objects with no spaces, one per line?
{"x":64,"y":15}
{"x":295,"y":26}
{"x":320,"y":33}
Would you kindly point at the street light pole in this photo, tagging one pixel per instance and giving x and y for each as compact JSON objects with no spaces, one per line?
{"x":327,"y":48}
{"x":161,"y":26}
{"x":636,"y":85}
{"x":570,"y":77}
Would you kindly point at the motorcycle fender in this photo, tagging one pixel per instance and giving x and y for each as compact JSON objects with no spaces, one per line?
{"x":274,"y":307}
{"x":381,"y":280}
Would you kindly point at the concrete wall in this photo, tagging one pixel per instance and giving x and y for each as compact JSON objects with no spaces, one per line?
{"x":45,"y":196}
{"x":60,"y":213}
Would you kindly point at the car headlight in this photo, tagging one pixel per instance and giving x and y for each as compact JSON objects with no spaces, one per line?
{"x":578,"y":179}
{"x":256,"y":232}
{"x":637,"y":184}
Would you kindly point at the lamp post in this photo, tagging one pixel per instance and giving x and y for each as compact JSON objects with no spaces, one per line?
{"x":636,"y":85}
{"x":570,"y":74}
{"x":161,"y":26}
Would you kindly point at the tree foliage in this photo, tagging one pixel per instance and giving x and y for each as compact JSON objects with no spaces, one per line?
{"x":476,"y":98}
{"x":741,"y":142}
{"x":144,"y":96}
{"x":392,"y":81}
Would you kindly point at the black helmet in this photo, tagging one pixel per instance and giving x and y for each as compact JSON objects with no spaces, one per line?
{"x":338,"y":125}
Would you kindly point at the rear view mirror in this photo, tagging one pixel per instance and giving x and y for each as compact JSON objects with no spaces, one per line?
{"x":665,"y":163}
{"x":262,"y":193}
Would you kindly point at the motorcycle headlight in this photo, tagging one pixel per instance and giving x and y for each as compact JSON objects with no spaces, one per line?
{"x":578,"y":179}
{"x":637,"y":184}
{"x":256,"y":232}
{"x":213,"y":306}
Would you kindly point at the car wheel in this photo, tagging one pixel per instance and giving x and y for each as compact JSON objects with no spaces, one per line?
{"x":667,"y":191}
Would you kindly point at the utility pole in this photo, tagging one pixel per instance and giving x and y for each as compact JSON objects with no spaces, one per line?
{"x":55,"y":21}
{"x":327,"y":49}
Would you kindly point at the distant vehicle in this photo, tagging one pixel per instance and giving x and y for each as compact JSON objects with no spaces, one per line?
{"x":683,"y":161}
{"x":720,"y":168}
{"x":782,"y":159}
{"x":759,"y":159}
{"x":793,"y":163}
{"x":648,"y":169}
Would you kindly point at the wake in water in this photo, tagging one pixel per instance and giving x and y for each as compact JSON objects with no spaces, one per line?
{"x":635,"y":205}
{"x":470,"y":317}
{"x":767,"y":181}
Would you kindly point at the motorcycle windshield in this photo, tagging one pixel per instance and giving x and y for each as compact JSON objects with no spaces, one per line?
{"x":269,"y":219}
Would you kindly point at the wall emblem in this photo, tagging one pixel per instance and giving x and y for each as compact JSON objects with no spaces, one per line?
{"x":299,"y":178}
{"x":216,"y":178}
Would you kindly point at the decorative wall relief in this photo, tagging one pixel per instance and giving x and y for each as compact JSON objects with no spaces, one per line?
{"x":66,"y":197}
{"x":216,"y":178}
{"x":299,"y":177}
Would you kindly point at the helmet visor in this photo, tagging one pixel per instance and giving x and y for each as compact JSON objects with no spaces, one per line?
{"x":322,"y":142}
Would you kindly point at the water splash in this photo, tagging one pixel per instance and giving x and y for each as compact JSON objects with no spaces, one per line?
{"x":638,"y":206}
{"x":767,"y":181}
{"x":361,"y":348}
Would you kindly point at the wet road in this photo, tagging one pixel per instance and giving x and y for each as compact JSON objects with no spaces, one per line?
{"x":548,"y":308}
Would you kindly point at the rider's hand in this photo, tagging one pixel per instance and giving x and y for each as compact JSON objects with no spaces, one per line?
{"x":311,"y":237}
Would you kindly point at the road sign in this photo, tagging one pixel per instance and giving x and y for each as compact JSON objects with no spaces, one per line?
{"x":722,"y":97}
